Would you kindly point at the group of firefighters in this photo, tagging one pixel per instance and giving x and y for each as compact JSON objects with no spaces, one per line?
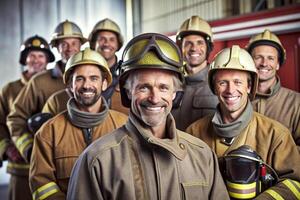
{"x":160,"y":123}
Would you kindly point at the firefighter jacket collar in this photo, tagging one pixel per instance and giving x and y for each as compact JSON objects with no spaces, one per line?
{"x":273,"y":90}
{"x":86,"y":119}
{"x":198,"y":77}
{"x":24,"y":80}
{"x":235,"y":128}
{"x":170,"y":144}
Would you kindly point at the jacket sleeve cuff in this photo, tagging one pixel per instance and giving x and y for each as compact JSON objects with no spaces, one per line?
{"x":24,"y":144}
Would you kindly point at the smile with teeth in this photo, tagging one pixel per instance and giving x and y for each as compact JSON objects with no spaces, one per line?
{"x":263,"y":70}
{"x":153,"y":109}
{"x":106,"y":50}
{"x":195,"y":55}
{"x":87,"y":94}
{"x":231,"y":99}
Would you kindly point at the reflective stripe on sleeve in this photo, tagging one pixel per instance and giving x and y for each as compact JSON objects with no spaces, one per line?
{"x":23,"y":142}
{"x":4,"y":143}
{"x":17,"y":166}
{"x":292,"y":185}
{"x":45,"y":191}
{"x":274,"y":194}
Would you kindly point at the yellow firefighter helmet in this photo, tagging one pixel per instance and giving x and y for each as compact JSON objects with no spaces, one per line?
{"x":234,"y":58}
{"x":66,"y":29}
{"x":87,"y":56}
{"x":105,"y":25}
{"x":267,"y":38}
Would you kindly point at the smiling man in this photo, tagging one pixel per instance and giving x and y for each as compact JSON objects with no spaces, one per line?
{"x":273,"y":100}
{"x":195,"y":40}
{"x":106,"y":38}
{"x":233,"y":78}
{"x":35,"y":55}
{"x":148,"y":158}
{"x":59,"y":142}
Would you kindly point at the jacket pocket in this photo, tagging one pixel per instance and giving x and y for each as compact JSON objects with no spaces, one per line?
{"x":195,"y":190}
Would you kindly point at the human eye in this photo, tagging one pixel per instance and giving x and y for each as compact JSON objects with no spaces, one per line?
{"x":221,"y":83}
{"x":143,"y":88}
{"x":238,"y":82}
{"x":94,"y":78}
{"x":79,"y":78}
{"x":164,"y":88}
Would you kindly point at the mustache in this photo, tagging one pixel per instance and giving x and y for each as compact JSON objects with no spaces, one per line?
{"x":147,"y":103}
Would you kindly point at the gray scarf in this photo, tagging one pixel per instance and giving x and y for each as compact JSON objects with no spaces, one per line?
{"x":85,"y":119}
{"x":232,"y":129}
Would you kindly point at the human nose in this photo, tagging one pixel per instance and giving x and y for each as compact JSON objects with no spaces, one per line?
{"x":87,"y":83}
{"x":154,"y":96}
{"x":230,"y":87}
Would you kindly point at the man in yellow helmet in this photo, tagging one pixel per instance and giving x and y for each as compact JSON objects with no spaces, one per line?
{"x":148,"y":158}
{"x":67,"y":38}
{"x":195,"y":40}
{"x":106,"y":38}
{"x":35,"y":55}
{"x":62,"y":139}
{"x":273,"y":100}
{"x":233,"y":78}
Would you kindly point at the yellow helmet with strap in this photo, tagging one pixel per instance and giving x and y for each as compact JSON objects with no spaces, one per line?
{"x":267,"y":38}
{"x":87,"y":56}
{"x":198,"y":26}
{"x":66,"y":29}
{"x":106,"y":25}
{"x":234,"y":58}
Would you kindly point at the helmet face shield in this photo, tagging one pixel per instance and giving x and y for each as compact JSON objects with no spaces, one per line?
{"x":241,"y":170}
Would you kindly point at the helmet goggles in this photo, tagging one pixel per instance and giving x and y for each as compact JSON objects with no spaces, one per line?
{"x":164,"y":48}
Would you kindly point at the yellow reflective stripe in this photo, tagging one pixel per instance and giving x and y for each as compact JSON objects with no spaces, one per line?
{"x":17,"y":166}
{"x":291,"y":186}
{"x":45,"y":191}
{"x":241,"y":186}
{"x":242,"y":196}
{"x":26,"y":144}
{"x":274,"y":194}
{"x":4,"y":143}
{"x":296,"y":183}
{"x":24,"y":141}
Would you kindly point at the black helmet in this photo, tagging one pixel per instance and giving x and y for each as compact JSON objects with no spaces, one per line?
{"x":245,"y":173}
{"x":35,"y":43}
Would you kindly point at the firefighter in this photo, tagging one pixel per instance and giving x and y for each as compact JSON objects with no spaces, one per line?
{"x":105,"y":38}
{"x":67,"y":38}
{"x":233,"y":78}
{"x":34,"y":56}
{"x":273,"y":100}
{"x":195,"y":40}
{"x":59,"y":141}
{"x":148,"y":158}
